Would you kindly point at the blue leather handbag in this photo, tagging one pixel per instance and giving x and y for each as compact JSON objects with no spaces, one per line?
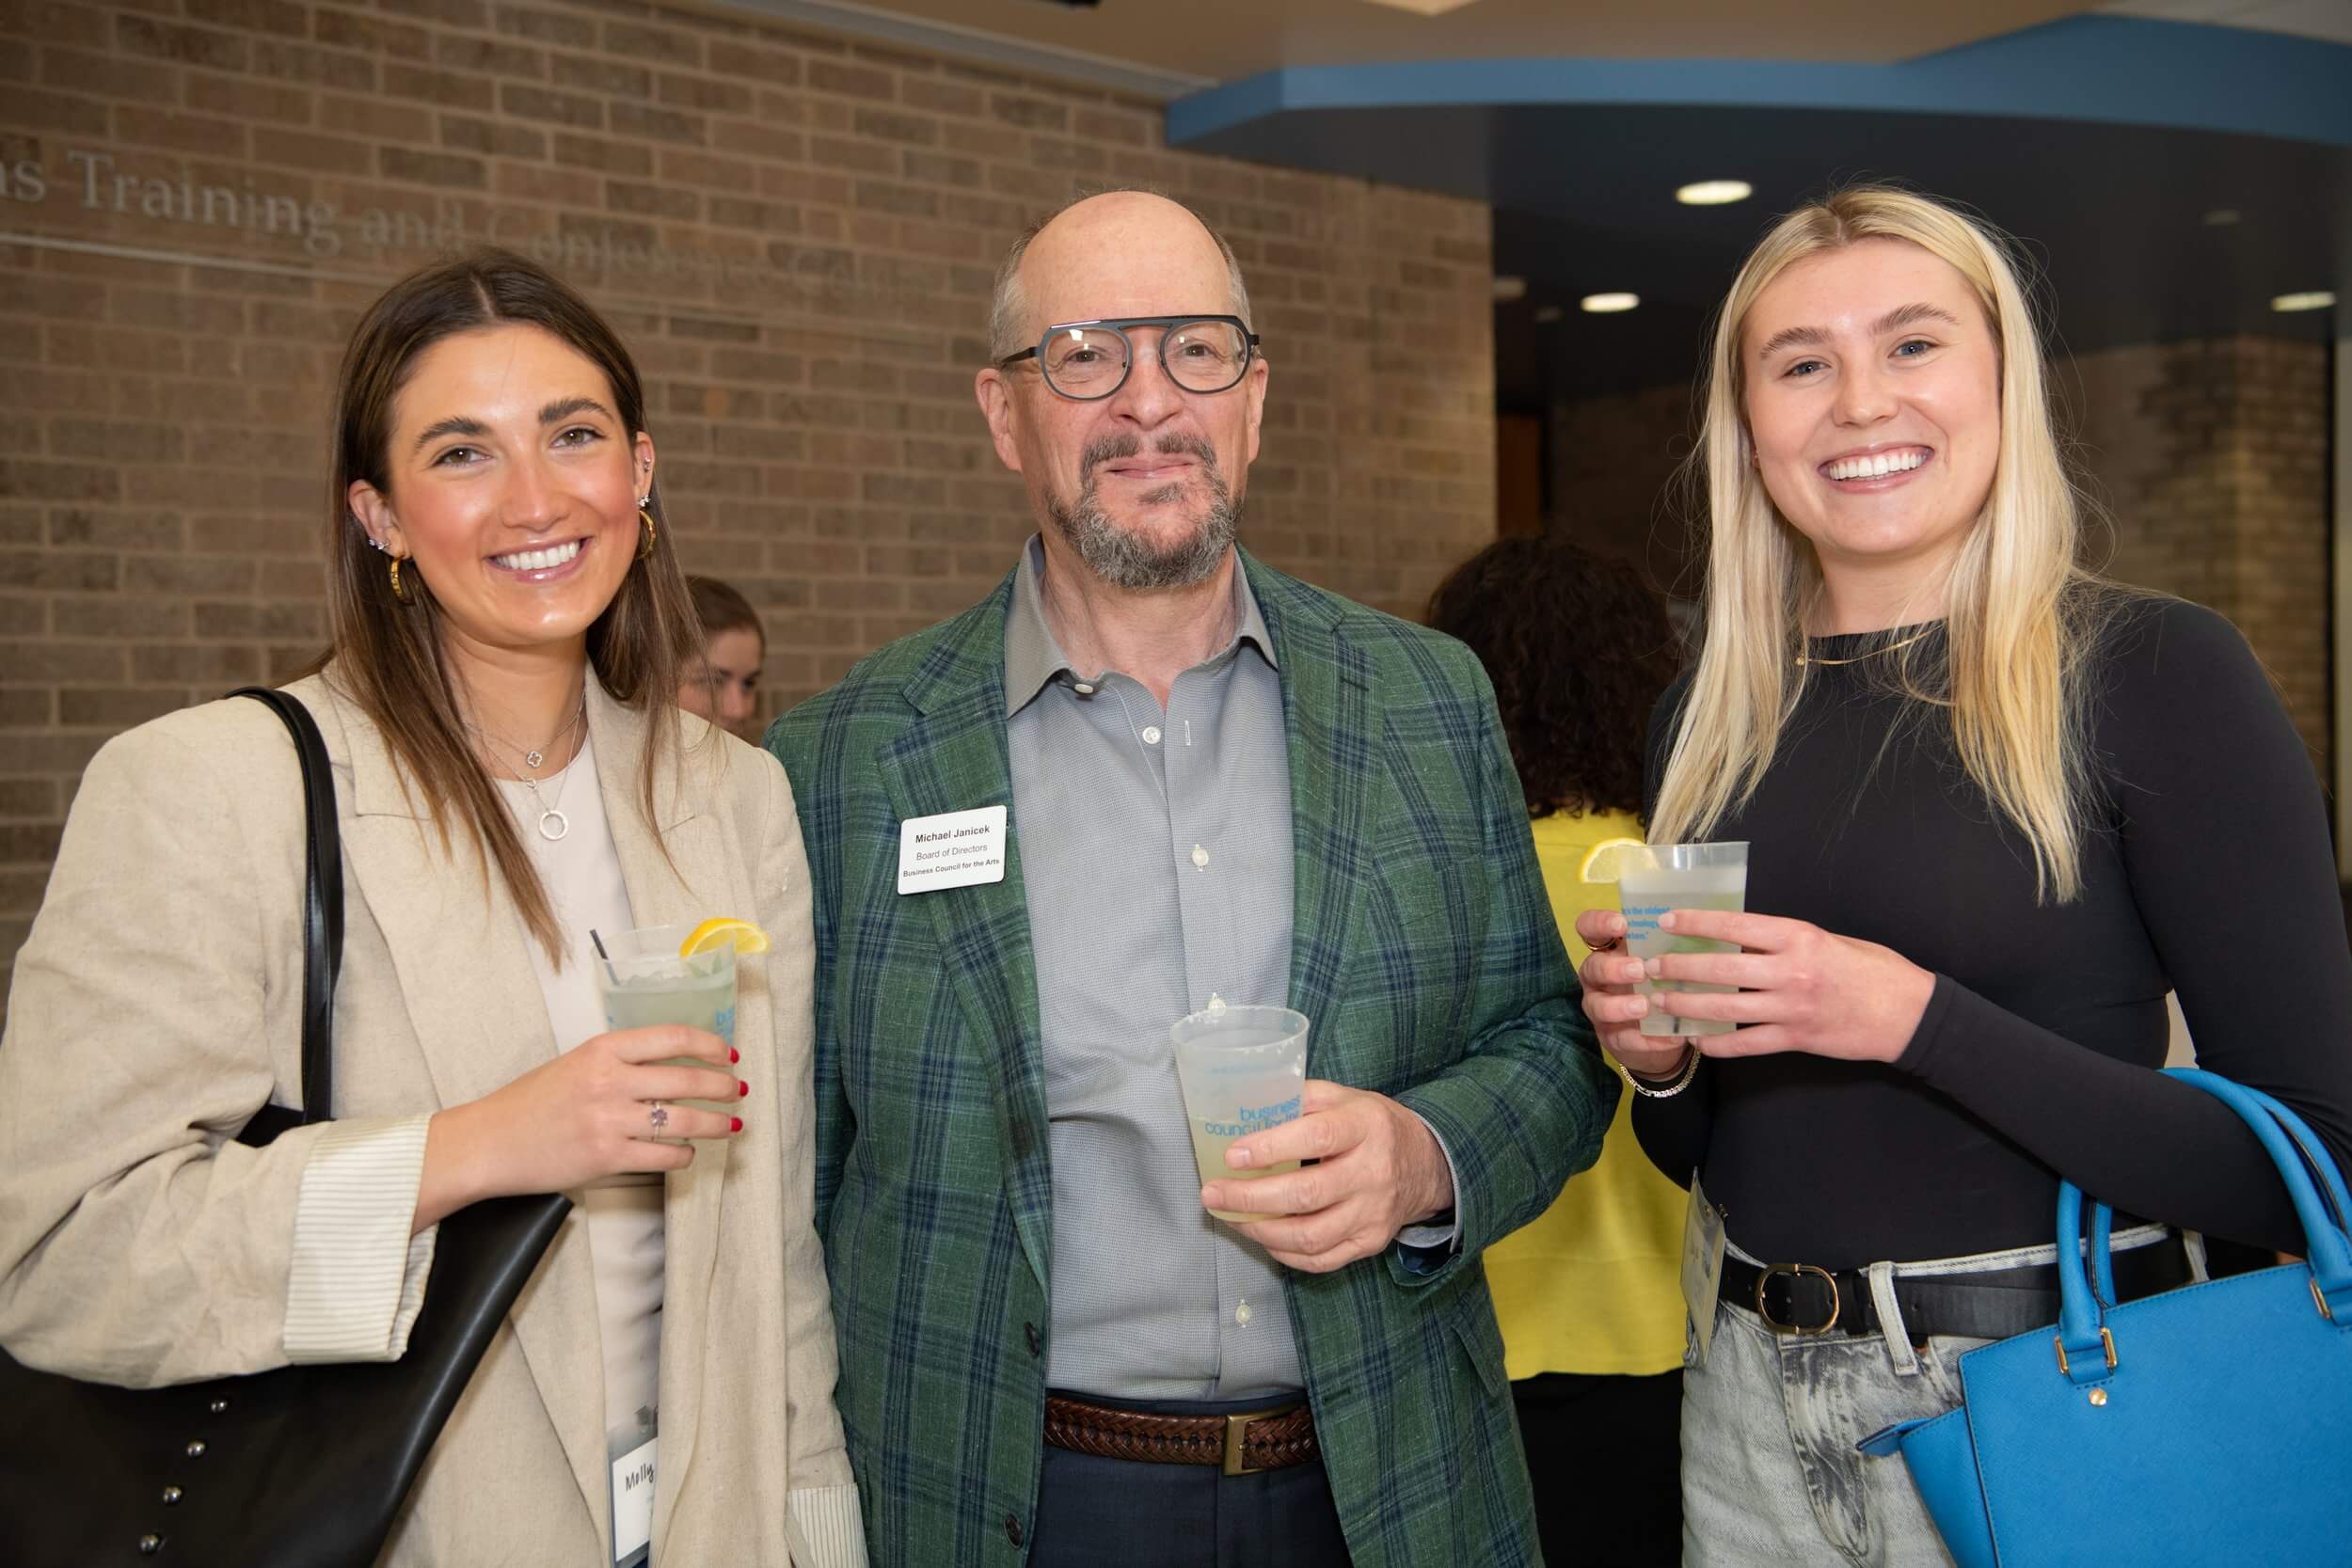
{"x":2210,"y":1425}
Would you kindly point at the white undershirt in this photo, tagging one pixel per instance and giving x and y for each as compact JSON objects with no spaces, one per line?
{"x":581,"y":874}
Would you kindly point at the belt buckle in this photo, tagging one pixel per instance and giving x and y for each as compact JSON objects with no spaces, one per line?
{"x":1236,"y":1428}
{"x":1837,"y":1298}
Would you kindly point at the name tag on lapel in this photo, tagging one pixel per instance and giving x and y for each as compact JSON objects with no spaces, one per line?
{"x":956,"y":848}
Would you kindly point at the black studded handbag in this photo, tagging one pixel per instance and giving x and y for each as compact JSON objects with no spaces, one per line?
{"x":302,"y":1467}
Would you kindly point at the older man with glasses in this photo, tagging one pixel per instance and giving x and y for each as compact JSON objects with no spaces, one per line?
{"x":1146,"y":775}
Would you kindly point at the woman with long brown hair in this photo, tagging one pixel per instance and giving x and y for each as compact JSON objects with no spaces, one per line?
{"x":509,"y":621}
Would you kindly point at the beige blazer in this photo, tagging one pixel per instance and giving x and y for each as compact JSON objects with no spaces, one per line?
{"x":156,"y":1005}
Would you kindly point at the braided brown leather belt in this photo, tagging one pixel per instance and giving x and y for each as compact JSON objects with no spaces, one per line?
{"x":1245,"y":1443}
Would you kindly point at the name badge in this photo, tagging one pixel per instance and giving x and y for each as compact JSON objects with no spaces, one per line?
{"x":956,"y":848}
{"x":1702,"y":1267}
{"x":632,"y":1501}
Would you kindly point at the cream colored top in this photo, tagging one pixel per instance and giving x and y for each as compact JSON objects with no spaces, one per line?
{"x":581,"y":874}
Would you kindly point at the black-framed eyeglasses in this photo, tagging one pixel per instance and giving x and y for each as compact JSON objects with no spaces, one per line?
{"x":1086,"y":360}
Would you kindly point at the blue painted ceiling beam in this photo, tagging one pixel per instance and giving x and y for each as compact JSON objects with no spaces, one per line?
{"x":2116,"y":70}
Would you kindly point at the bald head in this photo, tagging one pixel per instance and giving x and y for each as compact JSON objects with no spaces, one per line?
{"x":1098,"y":256}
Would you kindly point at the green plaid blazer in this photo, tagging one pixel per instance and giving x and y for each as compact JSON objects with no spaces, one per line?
{"x":1427,"y":954}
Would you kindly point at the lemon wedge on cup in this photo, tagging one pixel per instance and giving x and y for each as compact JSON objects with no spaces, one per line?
{"x":721,"y":931}
{"x":1605,"y":862}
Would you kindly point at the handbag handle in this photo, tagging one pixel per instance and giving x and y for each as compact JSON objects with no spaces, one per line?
{"x":2086,"y":1353}
{"x":322,"y":922}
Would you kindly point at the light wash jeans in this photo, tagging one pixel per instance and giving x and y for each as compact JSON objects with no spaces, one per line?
{"x":1771,"y":1476}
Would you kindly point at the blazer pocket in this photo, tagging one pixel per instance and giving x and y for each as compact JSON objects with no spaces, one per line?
{"x":1471,"y":1316}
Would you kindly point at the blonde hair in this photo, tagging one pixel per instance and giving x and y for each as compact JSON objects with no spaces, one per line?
{"x":2017,"y":622}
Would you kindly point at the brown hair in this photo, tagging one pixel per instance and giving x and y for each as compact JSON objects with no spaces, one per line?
{"x":1580,"y":651}
{"x":719,"y":608}
{"x":386,"y":656}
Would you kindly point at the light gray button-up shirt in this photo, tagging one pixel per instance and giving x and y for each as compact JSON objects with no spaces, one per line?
{"x":1156,"y":857}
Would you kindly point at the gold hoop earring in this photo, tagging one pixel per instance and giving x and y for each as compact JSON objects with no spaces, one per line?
{"x":399,"y":591}
{"x":644,"y":549}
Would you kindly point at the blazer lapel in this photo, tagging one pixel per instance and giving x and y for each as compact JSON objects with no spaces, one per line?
{"x":953,"y":757}
{"x":692,"y":884}
{"x":473,"y":999}
{"x":1328,"y":721}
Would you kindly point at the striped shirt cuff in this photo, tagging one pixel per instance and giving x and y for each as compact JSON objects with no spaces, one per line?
{"x":828,"y":1520}
{"x":357,"y":1276}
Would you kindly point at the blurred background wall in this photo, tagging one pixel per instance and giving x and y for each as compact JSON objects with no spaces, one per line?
{"x":793,"y":209}
{"x":796,"y":233}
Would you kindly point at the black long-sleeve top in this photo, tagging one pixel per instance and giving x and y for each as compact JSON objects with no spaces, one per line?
{"x":2209,"y":872}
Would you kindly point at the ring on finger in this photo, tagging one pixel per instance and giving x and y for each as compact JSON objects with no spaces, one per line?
{"x":658,"y":1117}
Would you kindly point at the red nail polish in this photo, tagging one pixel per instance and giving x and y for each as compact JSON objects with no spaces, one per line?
{"x":741,"y":1088}
{"x":738,"y":1124}
{"x":732,"y":1055}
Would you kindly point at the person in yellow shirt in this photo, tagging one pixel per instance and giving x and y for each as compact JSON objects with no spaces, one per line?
{"x":1589,"y":1295}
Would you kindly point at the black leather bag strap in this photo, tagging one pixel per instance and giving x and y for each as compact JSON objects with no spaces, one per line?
{"x":322,"y":922}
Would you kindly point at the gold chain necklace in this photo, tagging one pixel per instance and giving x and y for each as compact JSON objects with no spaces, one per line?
{"x":552,"y":823}
{"x":1803,"y":661}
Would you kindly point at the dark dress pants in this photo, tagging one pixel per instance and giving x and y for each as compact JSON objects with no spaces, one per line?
{"x":1605,"y":1455}
{"x":1125,"y":1513}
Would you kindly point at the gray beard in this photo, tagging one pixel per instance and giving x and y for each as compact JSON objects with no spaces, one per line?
{"x":1122,"y":560}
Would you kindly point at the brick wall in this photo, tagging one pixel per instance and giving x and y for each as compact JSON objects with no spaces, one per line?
{"x":796,"y":234}
{"x":2212,"y":459}
{"x":1614,"y":465}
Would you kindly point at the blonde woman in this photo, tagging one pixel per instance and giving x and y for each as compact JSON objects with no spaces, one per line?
{"x":1996,"y":809}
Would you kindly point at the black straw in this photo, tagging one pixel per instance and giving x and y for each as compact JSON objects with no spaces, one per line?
{"x":606,"y":956}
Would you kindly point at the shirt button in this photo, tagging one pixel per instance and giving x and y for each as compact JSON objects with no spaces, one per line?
{"x":1241,"y":1311}
{"x":1037,"y":1341}
{"x":1083,"y":689}
{"x":1200,"y":856}
{"x":1150,"y":735}
{"x":1012,"y":1530}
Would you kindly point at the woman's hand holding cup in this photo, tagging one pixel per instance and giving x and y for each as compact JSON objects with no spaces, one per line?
{"x":1609,"y":973}
{"x":606,"y":1107}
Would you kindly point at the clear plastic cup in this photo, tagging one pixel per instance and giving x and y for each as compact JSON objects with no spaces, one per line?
{"x":1243,"y":1069}
{"x":644,"y":981}
{"x":1655,"y":877}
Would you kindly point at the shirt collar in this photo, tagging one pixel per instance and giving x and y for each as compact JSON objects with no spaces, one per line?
{"x":1033,"y":658}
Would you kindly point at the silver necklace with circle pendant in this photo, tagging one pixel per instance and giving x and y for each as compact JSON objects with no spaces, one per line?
{"x":552,"y":823}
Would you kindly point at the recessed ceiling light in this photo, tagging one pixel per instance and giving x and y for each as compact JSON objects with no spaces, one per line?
{"x":2221,"y":217}
{"x":2315,"y":299}
{"x":1604,"y":304}
{"x":1714,"y":192}
{"x":1547,"y":314}
{"x":1508,"y":289}
{"x":1423,"y":7}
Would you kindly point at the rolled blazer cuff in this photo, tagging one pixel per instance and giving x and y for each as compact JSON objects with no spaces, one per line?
{"x":356,"y":1278}
{"x":829,"y":1526}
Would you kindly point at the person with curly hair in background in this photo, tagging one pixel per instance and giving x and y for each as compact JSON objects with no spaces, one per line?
{"x":1580,"y":651}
